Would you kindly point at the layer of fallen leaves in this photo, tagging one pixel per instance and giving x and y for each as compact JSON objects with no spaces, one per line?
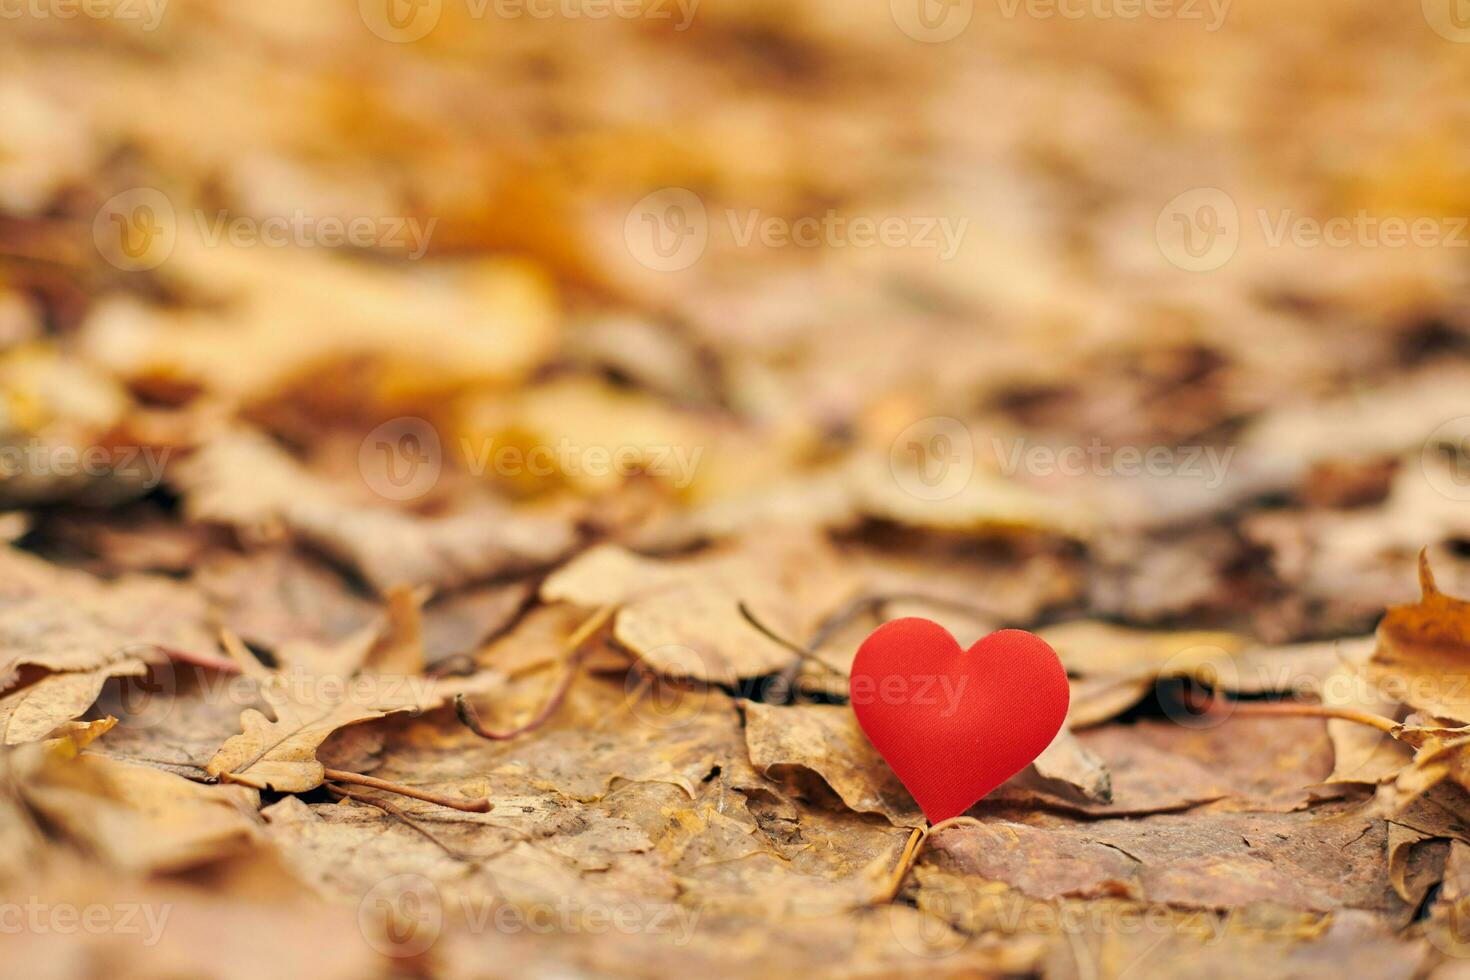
{"x":569,"y":720}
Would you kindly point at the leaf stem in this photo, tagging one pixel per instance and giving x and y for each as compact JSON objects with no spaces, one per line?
{"x":576,"y":646}
{"x":480,"y":805}
{"x":910,"y":855}
{"x":1220,"y":706}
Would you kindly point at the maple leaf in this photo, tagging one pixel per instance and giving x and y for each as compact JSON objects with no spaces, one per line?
{"x":1423,"y":652}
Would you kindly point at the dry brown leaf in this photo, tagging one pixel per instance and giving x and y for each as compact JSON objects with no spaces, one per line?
{"x":316,"y":692}
{"x":243,"y":480}
{"x":826,"y":740}
{"x":682,"y":616}
{"x":206,"y":924}
{"x":132,"y":818}
{"x":272,"y":595}
{"x":1114,"y":667}
{"x":177,"y":717}
{"x":1326,"y":858}
{"x":1119,"y":937}
{"x":985,"y":503}
{"x":139,"y":818}
{"x":1445,"y":925}
{"x":1162,"y":766}
{"x":1423,"y":652}
{"x":31,"y":711}
{"x":1406,"y":859}
{"x":1068,"y":761}
{"x":1092,"y":649}
{"x":461,"y":323}
{"x":1095,"y":700}
{"x":1362,"y":754}
{"x":66,"y":620}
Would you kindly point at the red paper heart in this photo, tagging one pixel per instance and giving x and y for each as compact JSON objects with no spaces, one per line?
{"x":954,"y":724}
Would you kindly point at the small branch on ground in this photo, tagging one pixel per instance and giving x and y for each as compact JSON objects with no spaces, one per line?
{"x":576,"y":646}
{"x":480,"y":805}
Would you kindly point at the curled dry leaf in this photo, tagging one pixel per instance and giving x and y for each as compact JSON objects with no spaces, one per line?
{"x":32,"y":711}
{"x":317,"y":692}
{"x":1114,"y":667}
{"x":1363,"y":754}
{"x":1423,"y":651}
{"x":825,"y":740}
{"x":1445,"y":922}
{"x":1092,"y":649}
{"x":1068,"y":761}
{"x":133,"y":817}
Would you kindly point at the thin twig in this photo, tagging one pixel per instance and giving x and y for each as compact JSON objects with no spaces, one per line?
{"x":901,"y":871}
{"x":576,"y":645}
{"x":396,"y":814}
{"x":1223,"y":708}
{"x":836,"y":621}
{"x":872,"y":603}
{"x":788,"y":674}
{"x":480,"y":805}
{"x":771,"y":634}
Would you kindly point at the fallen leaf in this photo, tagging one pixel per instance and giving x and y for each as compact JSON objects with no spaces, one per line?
{"x":1423,"y":652}
{"x":1318,"y":860}
{"x":825,"y":740}
{"x":65,"y":620}
{"x":31,"y":711}
{"x":682,"y":616}
{"x":316,"y":692}
{"x":243,"y":480}
{"x":1068,"y":761}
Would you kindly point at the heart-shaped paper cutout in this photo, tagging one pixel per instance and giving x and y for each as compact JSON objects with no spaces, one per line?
{"x":954,"y":724}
